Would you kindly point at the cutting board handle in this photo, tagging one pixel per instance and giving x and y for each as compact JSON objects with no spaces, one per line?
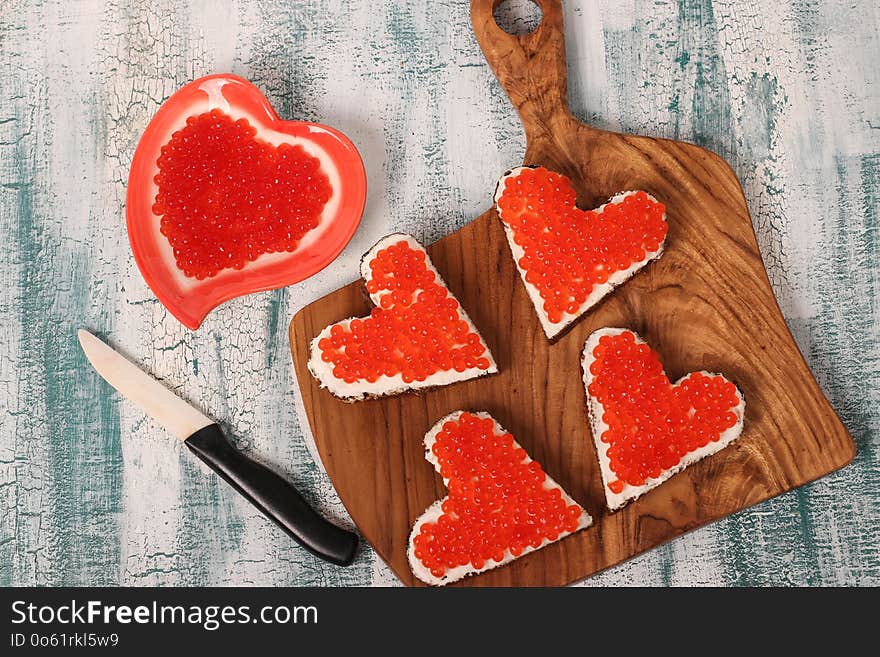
{"x":530,"y":68}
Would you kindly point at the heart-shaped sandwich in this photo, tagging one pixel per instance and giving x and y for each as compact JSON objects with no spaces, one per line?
{"x":645,"y":427}
{"x":570,"y":258}
{"x":225,"y":198}
{"x":501,"y":504}
{"x":417,"y":336}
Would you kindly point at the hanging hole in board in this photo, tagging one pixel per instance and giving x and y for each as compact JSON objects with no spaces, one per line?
{"x":518,"y":17}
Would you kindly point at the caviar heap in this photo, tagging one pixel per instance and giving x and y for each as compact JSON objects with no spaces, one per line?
{"x":567,"y":252}
{"x":416,"y":330}
{"x":499,"y":502}
{"x":652,"y":423}
{"x":226,"y":197}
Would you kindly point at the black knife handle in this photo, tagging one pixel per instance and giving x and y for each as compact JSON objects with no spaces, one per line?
{"x":274,"y":496}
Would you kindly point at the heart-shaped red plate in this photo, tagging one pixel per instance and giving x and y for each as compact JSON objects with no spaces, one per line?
{"x":282,"y":205}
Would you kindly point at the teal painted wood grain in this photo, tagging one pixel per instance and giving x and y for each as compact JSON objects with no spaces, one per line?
{"x":92,"y":492}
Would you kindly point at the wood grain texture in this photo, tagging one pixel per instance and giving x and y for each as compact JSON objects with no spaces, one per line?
{"x":91,"y":491}
{"x":706,"y":304}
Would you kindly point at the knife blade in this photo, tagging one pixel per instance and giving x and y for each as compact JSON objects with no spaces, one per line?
{"x":276,"y":498}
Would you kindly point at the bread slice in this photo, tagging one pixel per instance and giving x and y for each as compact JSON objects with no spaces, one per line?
{"x":598,"y":427}
{"x":433,"y":512}
{"x":553,"y":330}
{"x":390,"y":385}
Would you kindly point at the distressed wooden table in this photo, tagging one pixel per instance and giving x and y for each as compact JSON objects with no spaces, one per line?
{"x":93,"y":492}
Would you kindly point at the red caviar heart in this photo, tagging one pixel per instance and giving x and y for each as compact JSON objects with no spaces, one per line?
{"x":570,"y":258}
{"x":417,"y":336}
{"x":225,"y":198}
{"x":501,"y":504}
{"x":645,"y":427}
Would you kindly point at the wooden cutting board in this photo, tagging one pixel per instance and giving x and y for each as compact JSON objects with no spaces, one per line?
{"x":706,"y":304}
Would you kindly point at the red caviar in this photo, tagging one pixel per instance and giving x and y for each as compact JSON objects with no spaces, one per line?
{"x":498,"y":500}
{"x":226,"y":197}
{"x":652,"y":423}
{"x":417,"y":329}
{"x":569,"y":251}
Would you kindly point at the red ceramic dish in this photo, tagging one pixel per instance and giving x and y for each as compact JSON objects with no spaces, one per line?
{"x":190,"y":299}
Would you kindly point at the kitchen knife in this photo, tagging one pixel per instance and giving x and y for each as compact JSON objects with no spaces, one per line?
{"x":266,"y":490}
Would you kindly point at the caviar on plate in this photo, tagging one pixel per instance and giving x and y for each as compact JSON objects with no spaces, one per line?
{"x":499,"y":500}
{"x":415,"y":331}
{"x":651,"y":422}
{"x":226,"y":197}
{"x":567,"y":251}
